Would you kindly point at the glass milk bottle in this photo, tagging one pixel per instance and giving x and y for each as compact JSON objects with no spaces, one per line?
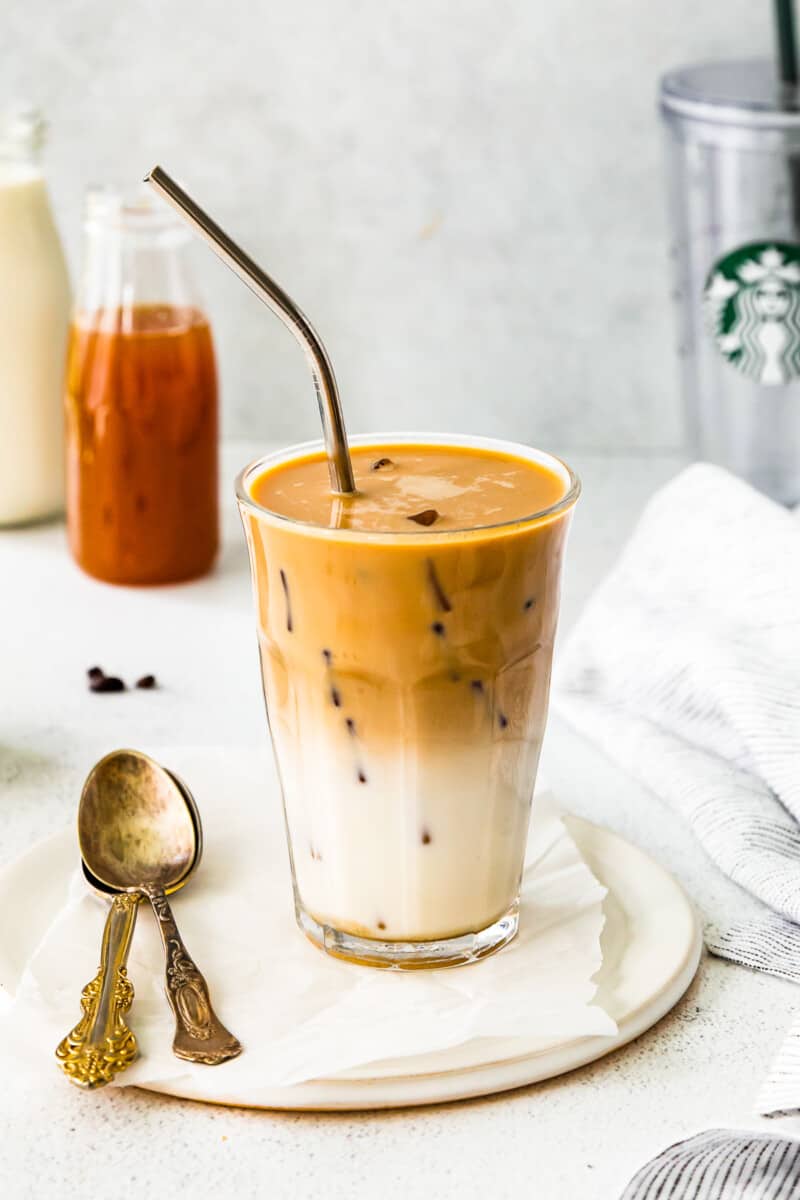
{"x":34,"y":316}
{"x":141,"y":401}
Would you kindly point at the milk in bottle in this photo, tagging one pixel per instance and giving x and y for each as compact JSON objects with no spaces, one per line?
{"x":34,"y":314}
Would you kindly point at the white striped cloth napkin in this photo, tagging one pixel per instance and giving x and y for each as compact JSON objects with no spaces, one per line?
{"x":721,"y":1164}
{"x":685,"y":668}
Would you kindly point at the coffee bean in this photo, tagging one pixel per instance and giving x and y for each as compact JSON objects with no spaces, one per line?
{"x":426,"y":517}
{"x":426,"y":838}
{"x":381,"y":462}
{"x":107,"y":683}
{"x":96,"y":673}
{"x":146,"y":682}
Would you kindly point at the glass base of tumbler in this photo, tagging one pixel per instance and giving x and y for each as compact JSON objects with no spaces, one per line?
{"x":410,"y":956}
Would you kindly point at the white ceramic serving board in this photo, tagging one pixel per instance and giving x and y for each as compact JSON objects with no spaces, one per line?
{"x":651,"y":949}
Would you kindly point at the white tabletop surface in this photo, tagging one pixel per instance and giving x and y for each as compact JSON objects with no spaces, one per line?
{"x":580,"y":1136}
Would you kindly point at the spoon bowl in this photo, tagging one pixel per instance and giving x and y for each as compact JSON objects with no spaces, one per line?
{"x":106,"y":890}
{"x":136,"y":825}
{"x":194,"y":812}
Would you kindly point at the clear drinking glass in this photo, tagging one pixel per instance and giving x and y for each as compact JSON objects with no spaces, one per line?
{"x":407,"y":763}
{"x":733,"y":160}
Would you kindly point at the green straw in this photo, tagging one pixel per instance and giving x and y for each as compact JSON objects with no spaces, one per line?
{"x":787,"y":42}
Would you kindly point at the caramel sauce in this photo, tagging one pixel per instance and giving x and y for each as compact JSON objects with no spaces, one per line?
{"x":141,"y":412}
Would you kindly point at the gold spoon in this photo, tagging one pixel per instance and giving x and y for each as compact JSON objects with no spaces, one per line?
{"x":101,"y":1044}
{"x":140,"y":835}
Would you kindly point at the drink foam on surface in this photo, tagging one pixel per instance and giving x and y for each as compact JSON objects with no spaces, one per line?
{"x":467,"y":488}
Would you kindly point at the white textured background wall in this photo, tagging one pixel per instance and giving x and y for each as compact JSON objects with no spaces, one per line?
{"x":464,"y":196}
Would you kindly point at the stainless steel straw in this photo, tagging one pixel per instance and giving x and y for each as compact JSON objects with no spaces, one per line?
{"x":339,"y":464}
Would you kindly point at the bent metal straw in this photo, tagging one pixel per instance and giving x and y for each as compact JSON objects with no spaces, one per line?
{"x":267,"y":290}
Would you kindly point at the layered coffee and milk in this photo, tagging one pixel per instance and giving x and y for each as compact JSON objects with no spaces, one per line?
{"x":406,"y":636}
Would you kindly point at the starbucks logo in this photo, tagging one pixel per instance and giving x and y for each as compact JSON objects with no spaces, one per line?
{"x":752,"y":305}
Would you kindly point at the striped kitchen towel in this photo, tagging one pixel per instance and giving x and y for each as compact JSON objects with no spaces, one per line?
{"x":685,"y":668}
{"x":721,"y":1164}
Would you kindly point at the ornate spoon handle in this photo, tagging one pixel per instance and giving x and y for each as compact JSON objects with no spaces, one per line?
{"x":101,"y":1044}
{"x":200,"y":1036}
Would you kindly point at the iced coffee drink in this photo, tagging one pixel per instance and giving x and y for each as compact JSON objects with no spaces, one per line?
{"x":406,"y":636}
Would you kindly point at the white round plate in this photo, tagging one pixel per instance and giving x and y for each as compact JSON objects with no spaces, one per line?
{"x":651,"y":948}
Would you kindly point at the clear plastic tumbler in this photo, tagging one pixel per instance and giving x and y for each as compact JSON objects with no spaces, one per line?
{"x":733,"y":158}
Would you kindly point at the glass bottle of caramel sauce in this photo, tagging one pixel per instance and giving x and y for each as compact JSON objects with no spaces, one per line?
{"x":141,"y":403}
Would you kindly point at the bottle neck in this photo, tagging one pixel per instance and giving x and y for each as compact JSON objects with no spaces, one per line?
{"x":22,"y":138}
{"x":134,"y":259}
